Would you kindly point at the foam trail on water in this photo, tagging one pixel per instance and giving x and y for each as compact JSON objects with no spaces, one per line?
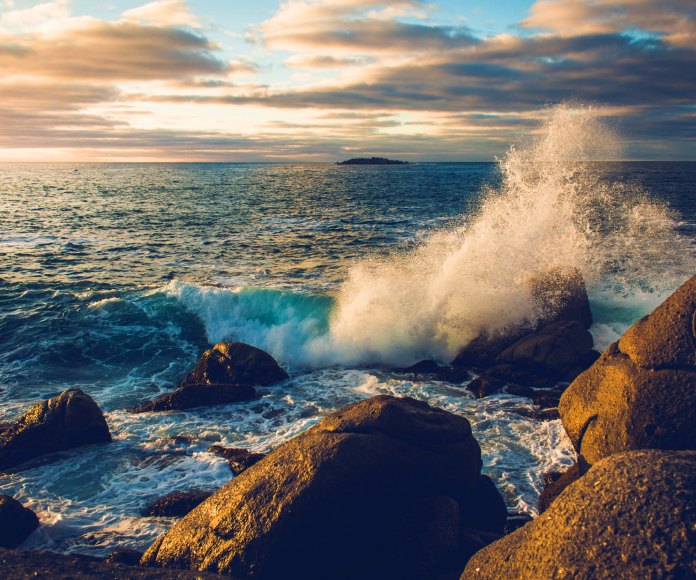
{"x":554,"y":208}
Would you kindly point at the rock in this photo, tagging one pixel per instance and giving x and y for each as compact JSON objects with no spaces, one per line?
{"x":631,"y":516}
{"x":124,"y":556}
{"x":485,"y":385}
{"x":424,"y":367}
{"x":176,"y":504}
{"x":21,"y":564}
{"x":641,"y":393}
{"x":558,"y":296}
{"x":516,"y":521}
{"x":554,"y":350}
{"x":16,"y":522}
{"x":235,"y":363}
{"x":71,"y":419}
{"x":191,"y":396}
{"x":238,"y":459}
{"x":556,"y":482}
{"x":382,"y":488}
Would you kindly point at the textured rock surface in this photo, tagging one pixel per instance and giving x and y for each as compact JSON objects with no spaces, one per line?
{"x":191,"y":396}
{"x":386,"y":487}
{"x":641,"y":393}
{"x":16,"y":522}
{"x":176,"y":504}
{"x":555,"y":484}
{"x":71,"y":419}
{"x":235,"y":363}
{"x":633,"y":515}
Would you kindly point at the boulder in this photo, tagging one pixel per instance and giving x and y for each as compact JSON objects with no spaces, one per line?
{"x":641,"y":393}
{"x":16,"y":522}
{"x":235,"y":363}
{"x":556,"y":482}
{"x":191,"y":396}
{"x":386,"y":487}
{"x":238,"y":459}
{"x":557,"y":350}
{"x":176,"y":504}
{"x":558,"y":295}
{"x":71,"y":419}
{"x":631,"y":516}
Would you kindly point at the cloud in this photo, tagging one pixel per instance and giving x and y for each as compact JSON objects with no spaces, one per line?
{"x":174,"y":13}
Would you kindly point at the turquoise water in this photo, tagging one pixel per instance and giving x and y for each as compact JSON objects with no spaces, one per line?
{"x":115,"y":277}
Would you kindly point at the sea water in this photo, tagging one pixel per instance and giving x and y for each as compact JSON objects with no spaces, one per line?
{"x":115,"y":277}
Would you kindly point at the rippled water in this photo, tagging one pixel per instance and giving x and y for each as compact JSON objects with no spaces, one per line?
{"x":115,"y":277}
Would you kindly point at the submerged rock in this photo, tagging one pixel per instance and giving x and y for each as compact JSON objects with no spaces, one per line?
{"x":238,"y":459}
{"x":71,"y":419}
{"x":191,"y":396}
{"x":559,"y":295}
{"x":387,"y":487}
{"x":16,"y":522}
{"x":641,"y":393}
{"x":235,"y":363}
{"x":631,"y":516}
{"x":176,"y":504}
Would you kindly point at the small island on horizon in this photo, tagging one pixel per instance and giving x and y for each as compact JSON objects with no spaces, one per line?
{"x":372,"y":161}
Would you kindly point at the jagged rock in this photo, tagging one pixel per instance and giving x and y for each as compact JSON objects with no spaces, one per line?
{"x":124,"y":556}
{"x":387,"y":487}
{"x":558,"y":296}
{"x":235,"y":363}
{"x":16,"y":522}
{"x":631,"y":516}
{"x":191,"y":396}
{"x":176,"y":504}
{"x":239,"y":459}
{"x":641,"y":393}
{"x":71,"y":419}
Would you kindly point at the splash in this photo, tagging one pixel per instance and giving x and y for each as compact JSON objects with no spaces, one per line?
{"x":556,"y":206}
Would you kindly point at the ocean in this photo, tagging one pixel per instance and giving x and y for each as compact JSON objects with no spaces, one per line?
{"x":115,"y":277}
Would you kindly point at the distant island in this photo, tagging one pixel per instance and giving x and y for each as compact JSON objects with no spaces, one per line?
{"x":372,"y":161}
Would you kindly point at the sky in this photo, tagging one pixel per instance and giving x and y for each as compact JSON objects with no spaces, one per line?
{"x":326,"y":80}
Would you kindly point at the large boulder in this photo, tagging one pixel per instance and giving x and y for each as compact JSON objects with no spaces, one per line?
{"x":558,"y":295}
{"x":633,"y":515}
{"x":235,"y":363}
{"x":641,"y":393}
{"x":16,"y":522}
{"x":383,"y":488}
{"x":71,"y":419}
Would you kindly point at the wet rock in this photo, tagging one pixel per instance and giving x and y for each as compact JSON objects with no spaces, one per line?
{"x":176,"y":504}
{"x":348,"y":496}
{"x":430,"y":368}
{"x":554,"y":350}
{"x":631,"y":516}
{"x":72,"y":419}
{"x":16,"y":522}
{"x":239,"y":459}
{"x":516,"y":521}
{"x":556,"y":482}
{"x":641,"y":393}
{"x":559,"y":295}
{"x":191,"y":396}
{"x":424,"y":367}
{"x":235,"y":363}
{"x":485,"y":385}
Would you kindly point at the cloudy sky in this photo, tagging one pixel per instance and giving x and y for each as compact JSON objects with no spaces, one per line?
{"x":322,"y":80}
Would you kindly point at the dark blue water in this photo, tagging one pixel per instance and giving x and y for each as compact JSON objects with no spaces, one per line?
{"x":115,"y":277}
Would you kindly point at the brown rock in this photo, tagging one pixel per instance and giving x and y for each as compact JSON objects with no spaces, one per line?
{"x":631,"y":516}
{"x":176,"y":504}
{"x":555,"y":483}
{"x":191,"y":396}
{"x":641,"y":393}
{"x":71,"y":419}
{"x":16,"y":522}
{"x":347,"y":498}
{"x":239,"y":459}
{"x":235,"y":363}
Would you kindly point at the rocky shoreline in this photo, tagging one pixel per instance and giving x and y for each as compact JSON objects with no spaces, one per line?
{"x":392,"y":487}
